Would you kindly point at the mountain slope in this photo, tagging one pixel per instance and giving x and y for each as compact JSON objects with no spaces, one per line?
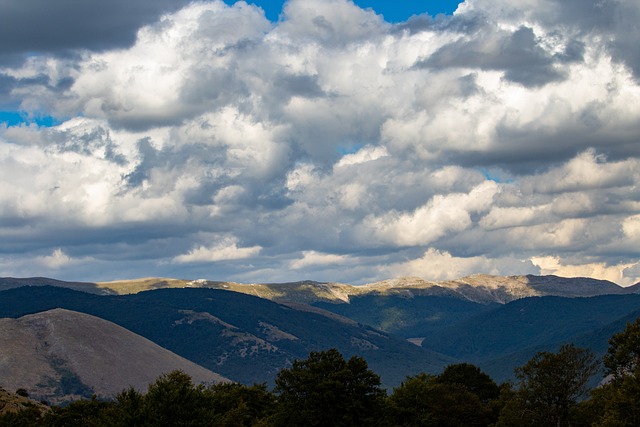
{"x":60,"y":355}
{"x":529,"y":322}
{"x":596,"y":340}
{"x":245,"y":338}
{"x":414,"y":316}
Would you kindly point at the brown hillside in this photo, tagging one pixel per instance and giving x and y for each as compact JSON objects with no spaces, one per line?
{"x":61,"y":355}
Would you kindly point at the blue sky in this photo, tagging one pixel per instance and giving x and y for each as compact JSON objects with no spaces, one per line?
{"x":16,"y":118}
{"x":393,"y":11}
{"x":202,"y":140}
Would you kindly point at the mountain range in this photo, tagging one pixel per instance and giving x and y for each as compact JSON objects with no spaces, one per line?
{"x":480,"y":288}
{"x":248,"y":332}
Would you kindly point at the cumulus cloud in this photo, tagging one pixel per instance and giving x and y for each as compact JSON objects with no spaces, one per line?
{"x":441,"y":265}
{"x":442,"y":215}
{"x":598,"y":270}
{"x":225,"y":250}
{"x":313,"y":258}
{"x":517,"y":53}
{"x":502,"y":139}
{"x":56,"y":260}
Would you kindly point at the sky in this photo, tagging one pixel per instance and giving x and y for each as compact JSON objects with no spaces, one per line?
{"x":319,"y":139}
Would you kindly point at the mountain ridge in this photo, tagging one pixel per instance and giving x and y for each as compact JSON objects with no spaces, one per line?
{"x":480,"y":288}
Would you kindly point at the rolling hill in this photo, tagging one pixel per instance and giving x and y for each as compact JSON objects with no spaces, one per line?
{"x":60,"y":355}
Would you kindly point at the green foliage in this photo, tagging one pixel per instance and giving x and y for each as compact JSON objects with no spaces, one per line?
{"x":173,"y":400}
{"x":549,"y":387}
{"x":616,"y":403}
{"x":82,"y":413}
{"x":237,"y":405}
{"x":450,"y":399}
{"x":327,"y":390}
{"x":623,"y":356}
{"x":131,"y":408}
{"x":26,"y":418}
{"x":473,"y":379}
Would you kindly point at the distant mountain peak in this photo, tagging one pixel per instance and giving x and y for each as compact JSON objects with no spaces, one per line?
{"x":485,"y":288}
{"x":482,"y":288}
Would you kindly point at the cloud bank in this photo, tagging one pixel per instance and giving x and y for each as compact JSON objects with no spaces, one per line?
{"x":202,"y":140}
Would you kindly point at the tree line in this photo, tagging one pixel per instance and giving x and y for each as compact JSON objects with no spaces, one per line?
{"x":326,"y":389}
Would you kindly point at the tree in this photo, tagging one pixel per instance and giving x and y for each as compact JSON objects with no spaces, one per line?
{"x":424,"y":400}
{"x":173,"y":400}
{"x":131,"y":408}
{"x":236,"y":405}
{"x":617,"y":400}
{"x":623,"y":356}
{"x":472,"y":378}
{"x":549,"y":386}
{"x":28,"y":417}
{"x":327,"y":390}
{"x":81,"y":413}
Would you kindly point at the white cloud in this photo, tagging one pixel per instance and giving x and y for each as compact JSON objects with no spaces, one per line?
{"x":443,"y":214}
{"x":503,"y":217}
{"x":631,"y":227}
{"x":313,"y":258}
{"x":333,"y":22}
{"x":365,"y":154}
{"x":56,"y":260}
{"x":598,"y":270}
{"x":584,"y":172}
{"x":506,"y":132}
{"x":441,"y":265}
{"x":225,"y":250}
